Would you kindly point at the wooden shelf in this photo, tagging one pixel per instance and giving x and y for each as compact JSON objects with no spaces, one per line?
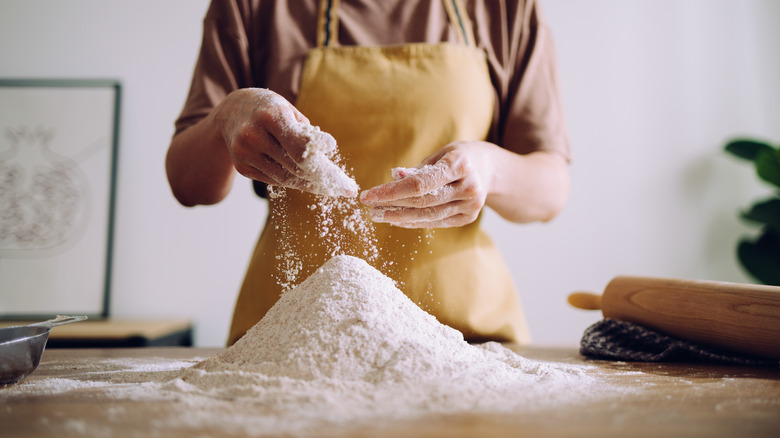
{"x":118,"y":333}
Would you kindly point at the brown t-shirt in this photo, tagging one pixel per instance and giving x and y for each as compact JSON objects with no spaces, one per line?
{"x":263,"y":43}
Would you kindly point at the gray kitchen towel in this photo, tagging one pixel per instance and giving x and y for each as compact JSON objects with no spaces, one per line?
{"x":612,"y":339}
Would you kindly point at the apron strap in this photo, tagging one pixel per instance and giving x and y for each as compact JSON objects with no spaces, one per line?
{"x":328,"y":22}
{"x":459,"y":19}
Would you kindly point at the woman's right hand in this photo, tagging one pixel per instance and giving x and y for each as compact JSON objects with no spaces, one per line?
{"x":269,"y":140}
{"x":262,"y":136}
{"x":259,"y":130}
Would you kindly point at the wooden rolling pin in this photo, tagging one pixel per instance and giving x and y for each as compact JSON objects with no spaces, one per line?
{"x":739,"y":317}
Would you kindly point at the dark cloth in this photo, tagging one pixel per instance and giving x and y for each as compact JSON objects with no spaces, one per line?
{"x":613,"y":339}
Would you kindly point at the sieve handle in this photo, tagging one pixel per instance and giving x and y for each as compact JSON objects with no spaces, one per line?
{"x":59,"y":320}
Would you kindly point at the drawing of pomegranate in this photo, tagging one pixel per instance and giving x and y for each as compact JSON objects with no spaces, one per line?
{"x":44,"y":197}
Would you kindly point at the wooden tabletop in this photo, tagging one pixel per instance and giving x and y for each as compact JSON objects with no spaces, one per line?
{"x":668,"y":400}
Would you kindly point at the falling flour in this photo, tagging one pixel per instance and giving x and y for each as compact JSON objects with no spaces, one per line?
{"x":339,"y":221}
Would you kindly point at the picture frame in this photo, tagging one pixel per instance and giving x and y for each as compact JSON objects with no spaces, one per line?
{"x":59,"y":142}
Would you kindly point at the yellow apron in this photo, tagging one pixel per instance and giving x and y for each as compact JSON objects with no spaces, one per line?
{"x":392,"y":106}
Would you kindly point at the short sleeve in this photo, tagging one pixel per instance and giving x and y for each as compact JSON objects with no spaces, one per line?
{"x":223,"y":63}
{"x":521,"y":56}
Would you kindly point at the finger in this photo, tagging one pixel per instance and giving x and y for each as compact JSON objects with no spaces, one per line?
{"x":425,"y":180}
{"x":450,"y":222}
{"x":253,"y":147}
{"x":456,"y":220}
{"x":278,"y":153}
{"x":270,"y":172}
{"x":440,"y":196}
{"x":399,"y":173}
{"x":299,"y":115}
{"x":283,"y":122}
{"x":398,"y":215}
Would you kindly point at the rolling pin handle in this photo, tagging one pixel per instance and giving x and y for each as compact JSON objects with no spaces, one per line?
{"x":585,"y":300}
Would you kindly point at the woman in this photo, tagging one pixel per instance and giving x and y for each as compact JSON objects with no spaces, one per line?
{"x":469,"y":89}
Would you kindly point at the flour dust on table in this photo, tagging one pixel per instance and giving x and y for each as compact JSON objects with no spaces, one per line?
{"x":344,"y":348}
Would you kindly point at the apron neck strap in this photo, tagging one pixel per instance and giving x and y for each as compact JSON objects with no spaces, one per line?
{"x":328,"y":22}
{"x":459,"y":19}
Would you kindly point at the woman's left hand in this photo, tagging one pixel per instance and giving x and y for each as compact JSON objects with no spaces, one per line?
{"x":448,"y":189}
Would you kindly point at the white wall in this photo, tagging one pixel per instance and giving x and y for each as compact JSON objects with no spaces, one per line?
{"x":652,"y":90}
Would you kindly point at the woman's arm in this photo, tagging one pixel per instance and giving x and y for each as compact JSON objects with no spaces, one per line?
{"x":198,"y":164}
{"x":529,"y":188}
{"x":450,"y":187}
{"x":254,"y":132}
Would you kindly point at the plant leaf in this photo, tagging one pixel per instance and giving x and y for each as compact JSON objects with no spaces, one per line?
{"x":762,"y":258}
{"x":768,"y":165}
{"x":766,"y":212}
{"x":747,"y":149}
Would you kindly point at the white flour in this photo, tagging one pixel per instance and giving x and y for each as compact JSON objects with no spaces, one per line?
{"x":322,"y":171}
{"x":343,"y":348}
{"x":340,"y":224}
{"x":346,"y":345}
{"x":338,"y":219}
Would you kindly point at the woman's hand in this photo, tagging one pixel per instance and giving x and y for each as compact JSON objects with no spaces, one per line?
{"x":450,"y":187}
{"x":271,"y":141}
{"x":259,"y":130}
{"x":260,"y":135}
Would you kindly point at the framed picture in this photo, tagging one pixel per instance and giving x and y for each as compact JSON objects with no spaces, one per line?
{"x":58,"y":161}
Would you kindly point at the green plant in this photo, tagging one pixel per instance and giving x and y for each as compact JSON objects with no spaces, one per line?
{"x":761,"y":256}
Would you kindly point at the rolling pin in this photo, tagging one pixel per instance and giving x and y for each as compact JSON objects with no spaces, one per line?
{"x":743,"y":318}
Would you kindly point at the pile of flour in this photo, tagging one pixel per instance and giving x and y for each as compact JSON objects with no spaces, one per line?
{"x":346,"y":345}
{"x":344,"y":349}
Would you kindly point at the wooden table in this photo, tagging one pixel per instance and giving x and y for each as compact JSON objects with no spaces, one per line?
{"x":671,"y":400}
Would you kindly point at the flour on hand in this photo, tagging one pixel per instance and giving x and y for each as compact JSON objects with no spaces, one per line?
{"x":320,"y":164}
